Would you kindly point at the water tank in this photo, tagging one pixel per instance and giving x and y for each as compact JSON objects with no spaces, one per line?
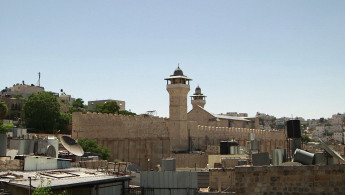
{"x":225,"y":146}
{"x":293,"y":128}
{"x":260,"y":159}
{"x":254,"y":145}
{"x":233,"y":149}
{"x":169,"y":164}
{"x":278,"y":156}
{"x":303,"y":157}
{"x":251,"y":136}
{"x":3,"y":144}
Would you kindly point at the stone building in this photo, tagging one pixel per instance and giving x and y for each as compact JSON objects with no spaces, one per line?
{"x":14,"y":106}
{"x":22,"y":90}
{"x":205,"y":118}
{"x":145,"y":140}
{"x":92,"y":104}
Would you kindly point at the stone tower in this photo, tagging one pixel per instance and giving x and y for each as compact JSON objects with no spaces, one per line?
{"x":198,"y":99}
{"x":178,"y":88}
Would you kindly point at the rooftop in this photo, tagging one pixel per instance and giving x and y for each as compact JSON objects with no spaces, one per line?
{"x":61,"y":178}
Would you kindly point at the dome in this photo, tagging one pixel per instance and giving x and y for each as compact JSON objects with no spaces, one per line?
{"x":178,"y":72}
{"x":198,"y":91}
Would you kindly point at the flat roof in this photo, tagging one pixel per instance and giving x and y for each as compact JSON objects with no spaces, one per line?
{"x":60,"y":178}
{"x":231,"y":117}
{"x":177,"y":77}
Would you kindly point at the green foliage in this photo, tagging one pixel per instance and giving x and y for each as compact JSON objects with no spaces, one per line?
{"x":42,"y":111}
{"x":3,"y":110}
{"x":63,"y":121}
{"x":125,"y":112}
{"x":91,"y":145}
{"x":112,"y":107}
{"x":4,"y":127}
{"x":18,"y":96}
{"x":45,"y":189}
{"x":109,"y":107}
{"x":305,"y":138}
{"x":78,"y":103}
{"x":77,"y":106}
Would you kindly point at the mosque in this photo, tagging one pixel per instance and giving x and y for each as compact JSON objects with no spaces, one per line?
{"x":138,"y":138}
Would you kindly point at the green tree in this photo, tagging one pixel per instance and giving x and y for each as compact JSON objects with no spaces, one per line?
{"x":112,"y":107}
{"x":77,"y":106}
{"x":42,"y":111}
{"x":91,"y":145}
{"x":3,"y":110}
{"x":78,"y":103}
{"x":109,"y":107}
{"x":63,"y":121}
{"x":4,"y":127}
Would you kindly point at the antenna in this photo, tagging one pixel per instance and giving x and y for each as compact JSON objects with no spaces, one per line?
{"x":39,"y":79}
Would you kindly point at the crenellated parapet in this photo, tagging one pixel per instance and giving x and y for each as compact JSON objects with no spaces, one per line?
{"x":212,"y":132}
{"x":99,"y":126}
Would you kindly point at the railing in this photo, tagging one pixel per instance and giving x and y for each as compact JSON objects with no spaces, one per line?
{"x":158,"y":191}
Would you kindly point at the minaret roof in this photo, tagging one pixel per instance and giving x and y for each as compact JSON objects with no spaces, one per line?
{"x":178,"y":73}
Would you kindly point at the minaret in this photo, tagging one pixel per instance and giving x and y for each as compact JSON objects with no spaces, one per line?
{"x":198,"y":99}
{"x":178,"y":88}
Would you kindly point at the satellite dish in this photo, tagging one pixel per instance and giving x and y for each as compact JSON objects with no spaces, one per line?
{"x":72,"y":146}
{"x":330,"y":150}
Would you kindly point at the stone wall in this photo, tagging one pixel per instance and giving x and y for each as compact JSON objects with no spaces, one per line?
{"x":11,"y":165}
{"x":146,"y":152}
{"x":142,"y":140}
{"x":105,"y":126}
{"x":138,"y":139}
{"x":281,"y":179}
{"x":201,"y":136}
{"x":189,"y":160}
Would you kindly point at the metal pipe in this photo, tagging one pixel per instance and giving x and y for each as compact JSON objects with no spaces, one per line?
{"x":29,"y":185}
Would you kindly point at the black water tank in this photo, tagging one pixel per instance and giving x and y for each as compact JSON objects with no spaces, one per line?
{"x":225,"y":146}
{"x":293,"y":128}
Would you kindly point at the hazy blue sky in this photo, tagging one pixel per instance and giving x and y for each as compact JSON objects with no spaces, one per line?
{"x":278,"y":57}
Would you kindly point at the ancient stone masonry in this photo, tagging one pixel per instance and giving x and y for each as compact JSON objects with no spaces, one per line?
{"x":201,"y":136}
{"x":110,"y":126}
{"x":280,"y":179}
{"x":141,"y":140}
{"x":145,"y":140}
